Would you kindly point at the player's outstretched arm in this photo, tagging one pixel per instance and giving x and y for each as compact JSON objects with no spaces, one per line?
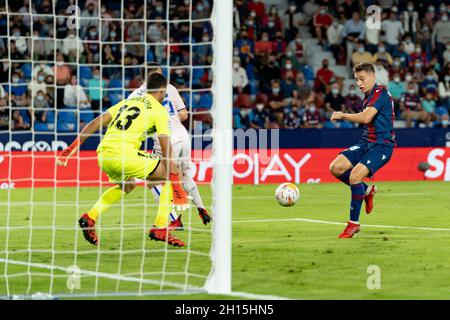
{"x":363,"y":117}
{"x":102,"y":120}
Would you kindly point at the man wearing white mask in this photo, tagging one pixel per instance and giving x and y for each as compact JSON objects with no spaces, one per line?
{"x":240,"y":79}
{"x":334,"y":37}
{"x":393,"y":30}
{"x":440,"y":36}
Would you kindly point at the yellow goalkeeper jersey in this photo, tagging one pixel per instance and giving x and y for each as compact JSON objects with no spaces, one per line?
{"x":132,"y":120}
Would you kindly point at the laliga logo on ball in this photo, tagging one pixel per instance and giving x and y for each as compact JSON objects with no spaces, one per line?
{"x":287,"y":194}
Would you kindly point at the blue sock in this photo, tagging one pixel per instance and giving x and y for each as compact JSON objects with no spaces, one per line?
{"x":357,"y":199}
{"x":345,"y":178}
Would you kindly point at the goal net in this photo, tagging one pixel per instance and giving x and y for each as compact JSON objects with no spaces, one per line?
{"x":64,"y":63}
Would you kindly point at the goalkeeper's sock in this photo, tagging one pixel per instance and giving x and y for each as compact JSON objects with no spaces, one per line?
{"x":107,"y":199}
{"x":191,"y":187}
{"x":345,"y":178}
{"x":358,"y":193}
{"x":165,"y":205}
{"x":156,"y":191}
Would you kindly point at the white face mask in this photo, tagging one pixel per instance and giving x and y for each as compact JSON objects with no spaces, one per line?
{"x":410,"y":8}
{"x":271,"y":24}
{"x":276,"y":90}
{"x":259,"y":106}
{"x":444,"y":18}
{"x":352,"y":92}
{"x":236,"y":65}
{"x":289,"y":66}
{"x":411,"y":91}
{"x":40,"y":98}
{"x":447,"y":78}
{"x":312,"y":109}
{"x":361,"y":50}
{"x":59,"y":63}
{"x":408,"y":78}
{"x":253,"y":14}
{"x":445,"y":122}
{"x":335,"y":91}
{"x":382,"y":49}
{"x":397,"y":79}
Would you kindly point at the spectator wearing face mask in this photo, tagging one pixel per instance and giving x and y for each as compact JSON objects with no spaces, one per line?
{"x":41,"y":106}
{"x":288,"y":67}
{"x":418,"y":55}
{"x":430,"y":16}
{"x":258,"y":7}
{"x":410,"y":21}
{"x":410,"y":106}
{"x":429,"y":84}
{"x":240,"y":79}
{"x":279,"y":45}
{"x":42,"y":66}
{"x":408,"y":45}
{"x":199,"y":11}
{"x":353,"y":103}
{"x":18,"y":88}
{"x":393,"y":30}
{"x":334,"y":37}
{"x":90,"y":13}
{"x":95,"y":86}
{"x":19,"y":40}
{"x":402,"y":56}
{"x":353,"y":33}
{"x":309,"y":9}
{"x":382,"y":55}
{"x":74,"y":95}
{"x":321,"y":21}
{"x":312,"y":118}
{"x":441,"y":36}
{"x":334,"y":101}
{"x":429,"y":105}
{"x":37,"y":84}
{"x":92,"y":47}
{"x":396,"y":68}
{"x":292,"y":119}
{"x":267,"y":71}
{"x":299,"y":50}
{"x":258,"y":117}
{"x":323,"y":78}
{"x":382,"y":75}
{"x":361,"y":55}
{"x":397,"y":88}
{"x":245,"y":46}
{"x":272,"y":20}
{"x":277,"y":102}
{"x":264,"y":45}
{"x":291,"y":19}
{"x":72,"y":46}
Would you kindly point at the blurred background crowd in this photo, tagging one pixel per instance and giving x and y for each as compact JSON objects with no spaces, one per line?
{"x":55,"y":76}
{"x":292,"y":60}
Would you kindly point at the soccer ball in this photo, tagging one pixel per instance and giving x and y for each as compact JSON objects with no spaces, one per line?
{"x":287,"y":194}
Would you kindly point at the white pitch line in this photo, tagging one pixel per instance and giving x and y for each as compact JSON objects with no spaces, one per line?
{"x":342,"y":223}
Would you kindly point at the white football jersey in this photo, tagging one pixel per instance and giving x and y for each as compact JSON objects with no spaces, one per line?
{"x":173,"y":103}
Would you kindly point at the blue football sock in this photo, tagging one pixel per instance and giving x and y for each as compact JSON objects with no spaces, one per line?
{"x":345,"y":178}
{"x":357,"y":199}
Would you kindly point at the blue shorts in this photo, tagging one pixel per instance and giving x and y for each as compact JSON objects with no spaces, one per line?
{"x":372,"y":155}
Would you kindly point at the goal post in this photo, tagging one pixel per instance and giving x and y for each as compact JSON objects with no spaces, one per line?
{"x":42,"y":251}
{"x":220,"y":277}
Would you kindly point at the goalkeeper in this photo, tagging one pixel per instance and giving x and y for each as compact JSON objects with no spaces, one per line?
{"x":129,"y":122}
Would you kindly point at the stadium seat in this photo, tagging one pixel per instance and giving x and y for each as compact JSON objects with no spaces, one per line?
{"x":27,"y":70}
{"x":86,"y":115}
{"x":85,"y":75}
{"x":205,"y":100}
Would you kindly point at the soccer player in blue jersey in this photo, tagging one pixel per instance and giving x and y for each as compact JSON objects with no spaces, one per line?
{"x":374,"y":149}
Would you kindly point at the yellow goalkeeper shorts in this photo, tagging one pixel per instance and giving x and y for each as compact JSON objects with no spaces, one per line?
{"x":121,"y":166}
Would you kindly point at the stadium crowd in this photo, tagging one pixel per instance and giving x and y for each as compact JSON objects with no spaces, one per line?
{"x":56,"y":75}
{"x":55,"y":78}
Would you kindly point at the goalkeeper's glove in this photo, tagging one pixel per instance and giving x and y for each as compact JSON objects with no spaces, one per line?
{"x":180,"y":197}
{"x":68,"y":152}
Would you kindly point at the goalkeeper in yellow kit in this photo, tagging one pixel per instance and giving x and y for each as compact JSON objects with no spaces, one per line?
{"x":128,"y":124}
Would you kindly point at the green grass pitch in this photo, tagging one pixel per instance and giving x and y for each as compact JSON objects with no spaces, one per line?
{"x":287,"y":252}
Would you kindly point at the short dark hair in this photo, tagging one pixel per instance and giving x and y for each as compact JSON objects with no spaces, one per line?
{"x":156,"y":81}
{"x":364,"y":66}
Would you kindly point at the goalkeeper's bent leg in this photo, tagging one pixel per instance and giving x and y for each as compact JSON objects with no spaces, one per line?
{"x":165,"y":205}
{"x":156,"y":191}
{"x":107,"y":199}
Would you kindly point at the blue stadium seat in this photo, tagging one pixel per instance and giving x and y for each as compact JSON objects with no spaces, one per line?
{"x":26,"y":68}
{"x":85,"y":75}
{"x":205,"y":100}
{"x":86,"y":116}
{"x":39,"y":126}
